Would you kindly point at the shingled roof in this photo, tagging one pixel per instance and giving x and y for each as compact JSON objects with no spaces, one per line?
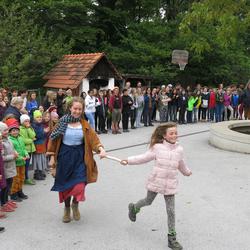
{"x":69,"y":72}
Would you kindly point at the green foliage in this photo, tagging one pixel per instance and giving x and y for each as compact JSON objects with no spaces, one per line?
{"x":26,"y":51}
{"x":137,"y":35}
{"x":215,"y":34}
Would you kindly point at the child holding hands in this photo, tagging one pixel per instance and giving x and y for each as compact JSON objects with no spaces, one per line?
{"x":168,"y":156}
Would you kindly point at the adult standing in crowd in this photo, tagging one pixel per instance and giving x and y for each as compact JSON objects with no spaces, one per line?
{"x":24,"y":93}
{"x":246,"y":101}
{"x":147,"y":110}
{"x":73,"y":142}
{"x":126,"y":109}
{"x":140,"y":105}
{"x":115,"y":106}
{"x":32,"y":104}
{"x":59,"y":102}
{"x":15,"y":108}
{"x":3,"y":106}
{"x":90,"y":108}
{"x":49,"y":100}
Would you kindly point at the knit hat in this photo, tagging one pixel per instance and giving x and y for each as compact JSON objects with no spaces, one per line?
{"x":52,"y":108}
{"x":3,"y":126}
{"x":23,"y":118}
{"x":12,"y":123}
{"x":54,"y":115}
{"x":37,"y":113}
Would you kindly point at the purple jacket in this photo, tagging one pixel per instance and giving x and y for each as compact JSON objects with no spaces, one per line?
{"x":168,"y":160}
{"x":227,"y":100}
{"x":2,"y":181}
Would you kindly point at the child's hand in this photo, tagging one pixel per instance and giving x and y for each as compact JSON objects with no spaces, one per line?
{"x":102,"y":153}
{"x":27,"y":157}
{"x":53,"y":171}
{"x":15,"y":155}
{"x":52,"y":161}
{"x":124,"y":162}
{"x":46,"y":130}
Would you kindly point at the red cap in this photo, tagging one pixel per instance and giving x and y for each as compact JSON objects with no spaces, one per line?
{"x":51,"y":108}
{"x":12,"y":123}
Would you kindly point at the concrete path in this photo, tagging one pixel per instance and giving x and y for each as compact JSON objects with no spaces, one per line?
{"x":212,"y":206}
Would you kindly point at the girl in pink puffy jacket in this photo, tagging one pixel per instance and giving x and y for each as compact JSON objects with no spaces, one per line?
{"x":168,"y":157}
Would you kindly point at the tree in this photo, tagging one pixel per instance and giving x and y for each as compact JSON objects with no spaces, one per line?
{"x":26,"y":51}
{"x":216,"y":35}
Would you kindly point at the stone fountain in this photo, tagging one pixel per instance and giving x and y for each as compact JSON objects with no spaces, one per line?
{"x":231,"y":135}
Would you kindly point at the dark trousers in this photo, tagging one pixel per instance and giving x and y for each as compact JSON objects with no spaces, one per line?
{"x":109,"y":122}
{"x":189,"y":116}
{"x":203,"y":113}
{"x":132,"y":117}
{"x":27,"y":165}
{"x":125,"y":118}
{"x":153,"y":116}
{"x":101,"y":124}
{"x":6,"y":191}
{"x":147,"y":114}
{"x":182,"y":114}
{"x":172,"y":112}
{"x":219,"y":108}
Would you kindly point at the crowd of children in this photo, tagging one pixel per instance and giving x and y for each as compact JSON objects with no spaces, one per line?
{"x":24,"y":135}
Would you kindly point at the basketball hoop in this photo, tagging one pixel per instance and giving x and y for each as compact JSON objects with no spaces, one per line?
{"x":180,"y":57}
{"x":182,"y":65}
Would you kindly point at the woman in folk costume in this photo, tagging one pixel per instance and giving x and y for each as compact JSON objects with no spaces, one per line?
{"x":70,"y":146}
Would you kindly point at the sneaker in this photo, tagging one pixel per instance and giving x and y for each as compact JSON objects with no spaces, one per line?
{"x":15,"y":198}
{"x":22,"y":195}
{"x":132,"y":211}
{"x":173,"y":243}
{"x":29,"y":182}
{"x":2,"y":215}
{"x":7,"y":209}
{"x":2,"y":229}
{"x":12,"y":204}
{"x":118,"y":132}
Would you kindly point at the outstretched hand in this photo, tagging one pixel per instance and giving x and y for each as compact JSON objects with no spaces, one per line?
{"x":102,"y":153}
{"x":124,"y":162}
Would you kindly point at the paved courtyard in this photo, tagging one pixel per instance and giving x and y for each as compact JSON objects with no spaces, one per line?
{"x":212,"y":206}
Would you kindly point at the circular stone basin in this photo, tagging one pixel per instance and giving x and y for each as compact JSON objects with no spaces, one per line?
{"x":231,"y":136}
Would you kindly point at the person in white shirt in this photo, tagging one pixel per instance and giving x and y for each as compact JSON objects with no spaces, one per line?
{"x":90,"y":108}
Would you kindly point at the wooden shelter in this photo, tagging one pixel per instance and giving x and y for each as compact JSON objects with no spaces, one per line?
{"x":81,"y":72}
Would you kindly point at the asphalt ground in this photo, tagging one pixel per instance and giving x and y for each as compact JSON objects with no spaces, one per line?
{"x":212,"y":206}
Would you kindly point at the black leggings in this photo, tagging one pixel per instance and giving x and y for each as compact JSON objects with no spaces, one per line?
{"x":5,"y":191}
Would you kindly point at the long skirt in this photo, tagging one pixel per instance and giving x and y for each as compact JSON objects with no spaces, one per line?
{"x":71,"y":175}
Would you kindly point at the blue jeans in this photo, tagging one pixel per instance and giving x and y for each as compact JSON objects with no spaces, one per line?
{"x":211,"y":114}
{"x":91,"y":118}
{"x":219,"y":108}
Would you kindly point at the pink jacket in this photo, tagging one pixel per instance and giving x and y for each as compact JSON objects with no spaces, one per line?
{"x":168,"y":160}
